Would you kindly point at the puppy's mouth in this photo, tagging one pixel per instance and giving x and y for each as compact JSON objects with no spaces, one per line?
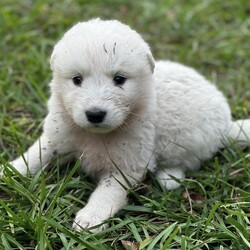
{"x":98,"y":128}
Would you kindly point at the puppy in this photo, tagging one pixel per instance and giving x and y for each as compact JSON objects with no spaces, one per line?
{"x":115,"y":109}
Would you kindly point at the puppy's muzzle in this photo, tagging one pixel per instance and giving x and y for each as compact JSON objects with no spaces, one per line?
{"x":95,"y":115}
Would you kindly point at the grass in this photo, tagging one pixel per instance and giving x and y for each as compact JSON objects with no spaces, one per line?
{"x":211,"y":210}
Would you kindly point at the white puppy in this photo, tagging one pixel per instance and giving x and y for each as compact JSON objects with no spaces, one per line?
{"x":112,"y":107}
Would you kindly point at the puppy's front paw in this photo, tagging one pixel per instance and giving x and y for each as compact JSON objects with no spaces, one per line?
{"x":1,"y":171}
{"x":6,"y":170}
{"x":20,"y":166}
{"x":87,"y":219}
{"x":165,"y":177}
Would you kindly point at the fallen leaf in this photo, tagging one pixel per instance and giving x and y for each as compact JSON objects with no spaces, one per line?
{"x":128,"y":245}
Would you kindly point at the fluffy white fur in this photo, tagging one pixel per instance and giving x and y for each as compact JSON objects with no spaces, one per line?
{"x":163,"y":111}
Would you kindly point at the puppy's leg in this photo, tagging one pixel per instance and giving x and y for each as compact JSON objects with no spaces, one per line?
{"x":104,"y":202}
{"x":164,"y":176}
{"x":38,"y":155}
{"x":54,"y":140}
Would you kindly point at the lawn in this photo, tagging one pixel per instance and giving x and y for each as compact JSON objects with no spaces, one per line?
{"x":211,"y":210}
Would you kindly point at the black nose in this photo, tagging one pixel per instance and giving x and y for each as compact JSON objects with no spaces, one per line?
{"x":95,"y":115}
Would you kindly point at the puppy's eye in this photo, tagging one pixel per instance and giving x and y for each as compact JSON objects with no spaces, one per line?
{"x":77,"y":80}
{"x":119,"y":80}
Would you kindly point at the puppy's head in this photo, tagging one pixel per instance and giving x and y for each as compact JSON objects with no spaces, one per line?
{"x":102,"y":73}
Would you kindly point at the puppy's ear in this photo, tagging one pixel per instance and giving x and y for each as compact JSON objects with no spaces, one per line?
{"x":151,"y":62}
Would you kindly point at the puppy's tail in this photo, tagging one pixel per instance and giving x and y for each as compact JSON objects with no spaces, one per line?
{"x":239,"y":132}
